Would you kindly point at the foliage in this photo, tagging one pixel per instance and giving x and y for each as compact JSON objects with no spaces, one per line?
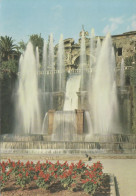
{"x":46,"y":174}
{"x":8,"y":50}
{"x":8,"y":75}
{"x":8,"y":68}
{"x":134,"y":110}
{"x":128,"y":61}
{"x":21,"y":46}
{"x":37,"y":41}
{"x":131,"y":74}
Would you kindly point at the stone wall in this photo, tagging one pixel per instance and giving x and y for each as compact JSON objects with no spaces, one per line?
{"x":125,"y":42}
{"x":124,"y":45}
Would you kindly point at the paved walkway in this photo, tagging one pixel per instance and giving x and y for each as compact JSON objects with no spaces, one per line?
{"x":125,"y":172}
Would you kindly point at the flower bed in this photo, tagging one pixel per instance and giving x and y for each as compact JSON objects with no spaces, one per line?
{"x":46,"y":175}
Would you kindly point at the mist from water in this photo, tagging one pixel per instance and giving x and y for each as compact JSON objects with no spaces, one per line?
{"x":72,"y":87}
{"x":104,"y":95}
{"x":122,"y":74}
{"x":92,"y":48}
{"x":82,"y":59}
{"x":102,"y":92}
{"x":51,"y":67}
{"x":28,"y":110}
{"x":60,"y":64}
{"x":64,"y":126}
{"x":44,"y":66}
{"x":37,"y":59}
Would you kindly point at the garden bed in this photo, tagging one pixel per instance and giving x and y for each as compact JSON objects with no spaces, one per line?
{"x":56,"y":179}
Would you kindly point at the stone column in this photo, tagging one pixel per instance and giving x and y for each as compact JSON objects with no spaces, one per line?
{"x":50,"y":121}
{"x":82,"y":100}
{"x":59,"y":100}
{"x":80,"y":121}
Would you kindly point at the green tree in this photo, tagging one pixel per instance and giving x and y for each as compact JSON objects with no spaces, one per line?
{"x":21,"y":46}
{"x":8,"y":68}
{"x":8,"y":50}
{"x":37,"y":41}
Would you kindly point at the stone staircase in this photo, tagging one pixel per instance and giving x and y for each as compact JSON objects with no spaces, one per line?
{"x":41,"y":144}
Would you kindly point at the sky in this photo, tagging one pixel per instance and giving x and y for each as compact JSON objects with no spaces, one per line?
{"x":21,"y":18}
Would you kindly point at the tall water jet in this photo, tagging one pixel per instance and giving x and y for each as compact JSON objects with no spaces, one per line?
{"x":28,"y":111}
{"x":37,"y":58}
{"x":51,"y":67}
{"x":37,"y":64}
{"x":82,"y":59}
{"x":72,"y":87}
{"x":98,"y":48}
{"x":92,"y":48}
{"x":60,"y":64}
{"x":122,"y":74}
{"x":44,"y":65}
{"x":104,"y":94}
{"x":94,"y":54}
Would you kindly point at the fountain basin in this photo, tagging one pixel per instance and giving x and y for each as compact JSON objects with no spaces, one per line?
{"x":40,"y":144}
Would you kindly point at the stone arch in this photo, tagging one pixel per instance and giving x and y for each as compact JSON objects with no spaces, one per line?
{"x":77,"y":61}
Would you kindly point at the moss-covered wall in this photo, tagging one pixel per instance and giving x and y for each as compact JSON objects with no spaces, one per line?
{"x":7,"y":105}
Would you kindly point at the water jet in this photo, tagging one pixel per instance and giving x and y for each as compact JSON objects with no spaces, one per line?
{"x":71,"y":111}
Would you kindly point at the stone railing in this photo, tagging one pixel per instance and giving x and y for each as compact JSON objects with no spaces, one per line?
{"x":49,"y":72}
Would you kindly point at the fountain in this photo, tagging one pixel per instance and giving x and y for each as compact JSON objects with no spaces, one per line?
{"x":74,"y":111}
{"x":44,"y":66}
{"x":60,"y":65}
{"x":104,"y":97}
{"x":28,"y":111}
{"x":122,"y":75}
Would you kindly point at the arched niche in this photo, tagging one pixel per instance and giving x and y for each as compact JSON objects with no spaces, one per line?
{"x":77,"y":62}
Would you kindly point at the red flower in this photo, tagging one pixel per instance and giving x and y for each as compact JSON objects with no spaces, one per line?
{"x":3,"y":169}
{"x":9,"y":160}
{"x":61,"y":176}
{"x":35,"y":177}
{"x":47,"y":177}
{"x":20,"y":175}
{"x":27,"y":163}
{"x":71,"y":167}
{"x":100,"y":173}
{"x":73,"y":185}
{"x":13,"y":164}
{"x":8,"y":173}
{"x":1,"y":177}
{"x":23,"y":169}
{"x":27,"y":174}
{"x":74,"y":176}
{"x":69,"y":172}
{"x":41,"y":174}
{"x":85,"y":181}
{"x":64,"y":175}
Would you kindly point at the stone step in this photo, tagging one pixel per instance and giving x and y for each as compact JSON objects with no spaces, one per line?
{"x":95,"y":138}
{"x":67,"y":145}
